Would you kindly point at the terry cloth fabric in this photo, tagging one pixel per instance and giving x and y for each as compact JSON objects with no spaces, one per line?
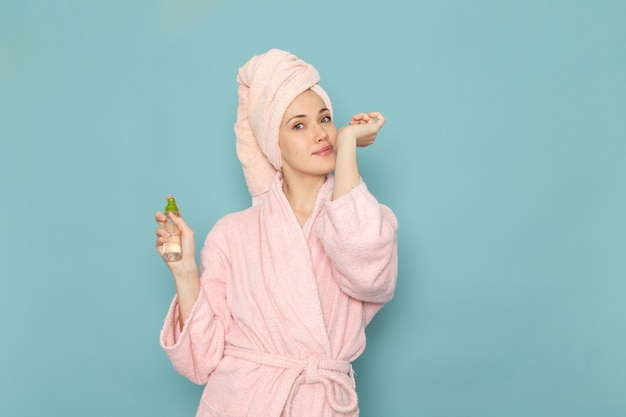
{"x":282,"y":308}
{"x":268,"y":83}
{"x":337,"y":378}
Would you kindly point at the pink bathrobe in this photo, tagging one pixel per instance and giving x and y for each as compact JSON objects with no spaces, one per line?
{"x":282,"y":308}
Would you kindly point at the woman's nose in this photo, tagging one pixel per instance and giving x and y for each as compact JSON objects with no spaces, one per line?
{"x":321,"y":133}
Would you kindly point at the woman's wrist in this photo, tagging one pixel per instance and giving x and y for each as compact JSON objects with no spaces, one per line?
{"x":186,"y":273}
{"x":345,"y":141}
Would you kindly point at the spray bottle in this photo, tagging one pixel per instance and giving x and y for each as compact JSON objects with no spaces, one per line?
{"x":172,"y":250}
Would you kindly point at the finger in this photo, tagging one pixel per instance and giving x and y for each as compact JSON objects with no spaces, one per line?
{"x":178,"y":221}
{"x":160,"y":242}
{"x":162,"y":239}
{"x":160,"y":217}
{"x":377,"y":116}
{"x":379,"y":120}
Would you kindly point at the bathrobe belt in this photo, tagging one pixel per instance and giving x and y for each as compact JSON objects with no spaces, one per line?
{"x":310,"y":371}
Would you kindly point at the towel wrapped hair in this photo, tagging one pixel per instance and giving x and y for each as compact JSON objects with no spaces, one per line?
{"x":268,"y":83}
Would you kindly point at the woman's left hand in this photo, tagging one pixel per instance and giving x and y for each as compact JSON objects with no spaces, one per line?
{"x":363,"y":128}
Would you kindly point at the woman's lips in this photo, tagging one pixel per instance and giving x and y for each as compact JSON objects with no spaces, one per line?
{"x":326,"y":150}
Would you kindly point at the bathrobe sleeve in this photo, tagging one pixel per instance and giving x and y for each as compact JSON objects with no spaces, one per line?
{"x":197,"y":350}
{"x":359,"y":236}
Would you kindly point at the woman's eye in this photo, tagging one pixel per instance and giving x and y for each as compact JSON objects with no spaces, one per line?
{"x":325,"y":119}
{"x":298,"y":126}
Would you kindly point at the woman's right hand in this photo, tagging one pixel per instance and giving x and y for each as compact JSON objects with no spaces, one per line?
{"x":185,"y":271}
{"x":188,"y":262}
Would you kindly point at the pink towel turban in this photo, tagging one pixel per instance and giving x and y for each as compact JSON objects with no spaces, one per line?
{"x":268,"y":83}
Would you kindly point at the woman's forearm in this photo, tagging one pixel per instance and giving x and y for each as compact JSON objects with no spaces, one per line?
{"x":187,"y":290}
{"x":346,"y":167}
{"x":360,"y":132}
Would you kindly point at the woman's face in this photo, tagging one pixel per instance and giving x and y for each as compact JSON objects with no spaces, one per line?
{"x":307,"y":137}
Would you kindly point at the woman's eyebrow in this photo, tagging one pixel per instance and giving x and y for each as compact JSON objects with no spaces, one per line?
{"x":297,"y":116}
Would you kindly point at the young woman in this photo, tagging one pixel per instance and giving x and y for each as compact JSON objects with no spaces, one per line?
{"x":278,"y":310}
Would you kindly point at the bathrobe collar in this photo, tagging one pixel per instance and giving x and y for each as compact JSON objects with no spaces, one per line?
{"x":294,"y":280}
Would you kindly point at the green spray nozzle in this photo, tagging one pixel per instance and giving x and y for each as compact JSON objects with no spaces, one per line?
{"x":171,"y":205}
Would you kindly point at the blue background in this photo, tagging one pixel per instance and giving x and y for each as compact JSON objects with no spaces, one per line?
{"x":503,"y":157}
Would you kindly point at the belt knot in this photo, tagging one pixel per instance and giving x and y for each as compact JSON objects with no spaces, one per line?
{"x":336,"y":376}
{"x":311,"y":372}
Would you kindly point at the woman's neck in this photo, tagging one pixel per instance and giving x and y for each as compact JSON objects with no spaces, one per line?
{"x":302,"y":194}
